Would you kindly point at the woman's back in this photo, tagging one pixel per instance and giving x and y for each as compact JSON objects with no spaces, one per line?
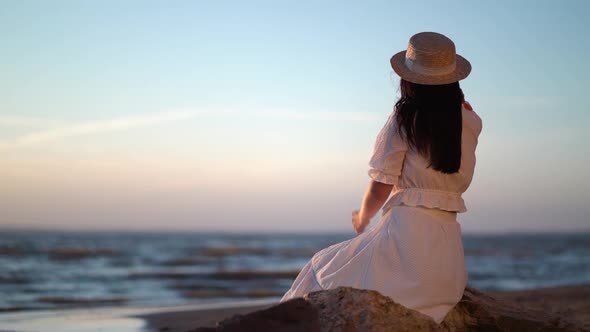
{"x":416,"y":183}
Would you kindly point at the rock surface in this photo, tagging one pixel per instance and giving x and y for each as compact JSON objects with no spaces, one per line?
{"x":291,"y":316}
{"x":349,"y":309}
{"x":481,"y":312}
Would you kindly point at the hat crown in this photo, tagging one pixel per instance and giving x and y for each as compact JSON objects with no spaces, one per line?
{"x":431,"y":50}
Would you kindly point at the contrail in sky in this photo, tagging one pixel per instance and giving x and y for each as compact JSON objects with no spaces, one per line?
{"x":93,"y":127}
{"x":56,"y":130}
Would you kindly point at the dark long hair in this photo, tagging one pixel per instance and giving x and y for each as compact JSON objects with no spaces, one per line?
{"x":429,"y":116}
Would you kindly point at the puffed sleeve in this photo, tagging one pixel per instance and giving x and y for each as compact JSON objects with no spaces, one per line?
{"x":389,"y":153}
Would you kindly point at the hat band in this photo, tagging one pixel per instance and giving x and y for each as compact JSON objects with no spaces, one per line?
{"x":420,"y":69}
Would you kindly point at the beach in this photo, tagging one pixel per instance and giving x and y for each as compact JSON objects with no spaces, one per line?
{"x":568,"y":303}
{"x":186,"y":320}
{"x":128,"y":319}
{"x":571,"y":303}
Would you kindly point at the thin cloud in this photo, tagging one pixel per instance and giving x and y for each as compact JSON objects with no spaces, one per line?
{"x":28,"y":122}
{"x":95,"y":127}
{"x":124,"y":123}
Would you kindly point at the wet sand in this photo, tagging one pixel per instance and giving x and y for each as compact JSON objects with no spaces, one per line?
{"x":569,"y":302}
{"x":127,"y":319}
{"x":191,"y":319}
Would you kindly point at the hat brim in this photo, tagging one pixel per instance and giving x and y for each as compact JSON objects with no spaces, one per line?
{"x":462,"y":70}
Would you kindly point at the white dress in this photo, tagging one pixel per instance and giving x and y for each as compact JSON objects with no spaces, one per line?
{"x":415,"y":253}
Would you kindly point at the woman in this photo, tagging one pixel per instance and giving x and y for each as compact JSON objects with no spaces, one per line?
{"x":425,"y":155}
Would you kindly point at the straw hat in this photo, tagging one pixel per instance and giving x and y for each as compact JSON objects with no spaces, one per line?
{"x":430,"y":59}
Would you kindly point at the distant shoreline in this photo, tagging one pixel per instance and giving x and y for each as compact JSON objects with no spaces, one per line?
{"x":511,"y":232}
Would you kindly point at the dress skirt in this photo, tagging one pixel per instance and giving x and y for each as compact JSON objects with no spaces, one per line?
{"x":413,"y":255}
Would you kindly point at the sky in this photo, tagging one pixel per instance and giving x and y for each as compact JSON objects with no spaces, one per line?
{"x":255,"y":116}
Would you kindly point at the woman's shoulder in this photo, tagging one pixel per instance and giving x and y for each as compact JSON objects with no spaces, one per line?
{"x":471,"y":118}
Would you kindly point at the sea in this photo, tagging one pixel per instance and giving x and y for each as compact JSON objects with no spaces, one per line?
{"x":42,"y":270}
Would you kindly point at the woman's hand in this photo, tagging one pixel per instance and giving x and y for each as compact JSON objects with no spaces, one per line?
{"x":357,"y":223}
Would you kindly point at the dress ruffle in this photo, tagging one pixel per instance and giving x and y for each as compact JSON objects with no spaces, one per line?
{"x":380,"y":176}
{"x":435,"y":199}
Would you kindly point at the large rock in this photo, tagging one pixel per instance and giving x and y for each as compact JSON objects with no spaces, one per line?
{"x":349,"y":309}
{"x":296,"y":315}
{"x":480,"y":312}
